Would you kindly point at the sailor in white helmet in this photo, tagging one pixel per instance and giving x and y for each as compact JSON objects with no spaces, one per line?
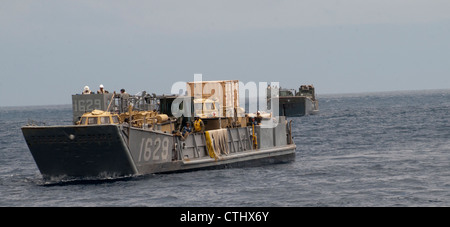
{"x":258,"y":117}
{"x":87,"y":91}
{"x":102,"y":90}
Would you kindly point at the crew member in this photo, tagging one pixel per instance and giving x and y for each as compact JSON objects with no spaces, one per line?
{"x":87,"y":91}
{"x":199,"y":126}
{"x":252,"y":121}
{"x":186,"y":130}
{"x":124,"y":96}
{"x":258,"y":118}
{"x":102,"y":90}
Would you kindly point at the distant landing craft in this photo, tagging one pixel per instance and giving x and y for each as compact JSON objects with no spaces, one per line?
{"x":293,"y":103}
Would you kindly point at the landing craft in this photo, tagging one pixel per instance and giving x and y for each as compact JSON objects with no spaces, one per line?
{"x":294,"y":103}
{"x":106,"y":142}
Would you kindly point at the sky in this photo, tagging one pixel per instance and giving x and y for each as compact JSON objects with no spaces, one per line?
{"x":51,"y":49}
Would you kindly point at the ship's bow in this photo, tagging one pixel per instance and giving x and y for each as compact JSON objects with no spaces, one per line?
{"x":79,"y":152}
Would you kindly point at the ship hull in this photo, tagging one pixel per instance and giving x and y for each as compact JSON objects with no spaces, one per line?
{"x":65,"y":153}
{"x":297,"y":106}
{"x":75,"y":152}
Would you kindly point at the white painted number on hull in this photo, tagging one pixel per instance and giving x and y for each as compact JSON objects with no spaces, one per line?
{"x":154,"y":149}
{"x":87,"y":105}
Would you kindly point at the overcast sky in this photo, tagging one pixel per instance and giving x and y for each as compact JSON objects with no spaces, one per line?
{"x":51,"y":49}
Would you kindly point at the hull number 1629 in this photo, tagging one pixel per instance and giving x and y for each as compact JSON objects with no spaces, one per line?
{"x":154,"y":149}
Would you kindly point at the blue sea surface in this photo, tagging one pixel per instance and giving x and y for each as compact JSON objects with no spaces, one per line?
{"x":372,"y":149}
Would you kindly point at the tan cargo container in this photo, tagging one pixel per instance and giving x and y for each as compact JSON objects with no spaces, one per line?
{"x":225,"y":92}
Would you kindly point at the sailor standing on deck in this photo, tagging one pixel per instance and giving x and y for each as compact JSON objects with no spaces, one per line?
{"x":199,"y":126}
{"x":87,"y":91}
{"x":258,"y":118}
{"x":102,"y":90}
{"x":123,"y":100}
{"x":124,"y":96}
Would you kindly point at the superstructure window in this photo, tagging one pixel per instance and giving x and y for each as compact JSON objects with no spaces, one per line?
{"x":104,"y":120}
{"x":92,"y":121}
{"x":115,"y":119}
{"x":209,"y":106}
{"x":198,"y":106}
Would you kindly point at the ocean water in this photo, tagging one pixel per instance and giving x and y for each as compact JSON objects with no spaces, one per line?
{"x":374,"y":149}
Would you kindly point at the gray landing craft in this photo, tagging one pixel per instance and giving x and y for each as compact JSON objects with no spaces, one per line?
{"x":294,"y":103}
{"x":115,"y":138}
